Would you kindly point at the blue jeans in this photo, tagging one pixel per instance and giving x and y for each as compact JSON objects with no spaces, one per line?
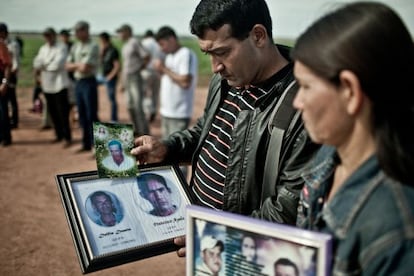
{"x":111,"y":91}
{"x":87,"y":101}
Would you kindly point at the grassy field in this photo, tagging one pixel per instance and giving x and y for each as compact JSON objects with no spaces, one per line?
{"x":32,"y":43}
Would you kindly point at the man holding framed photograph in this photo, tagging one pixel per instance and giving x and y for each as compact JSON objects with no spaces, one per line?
{"x":228,"y":143}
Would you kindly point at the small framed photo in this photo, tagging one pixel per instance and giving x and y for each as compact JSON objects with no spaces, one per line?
{"x":113,"y":143}
{"x":119,"y":220}
{"x":221,"y":243}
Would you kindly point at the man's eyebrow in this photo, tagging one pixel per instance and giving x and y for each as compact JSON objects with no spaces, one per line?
{"x":207,"y":51}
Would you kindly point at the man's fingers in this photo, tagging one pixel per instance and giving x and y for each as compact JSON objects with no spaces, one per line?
{"x":181,"y":252}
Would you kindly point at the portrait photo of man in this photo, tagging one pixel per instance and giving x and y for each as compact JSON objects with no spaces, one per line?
{"x":211,"y":250}
{"x":154,"y":188}
{"x":105,"y":211}
{"x":285,"y":267}
{"x":117,"y":161}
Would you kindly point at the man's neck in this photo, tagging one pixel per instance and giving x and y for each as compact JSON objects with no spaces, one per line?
{"x":119,"y":160}
{"x":274,"y":62}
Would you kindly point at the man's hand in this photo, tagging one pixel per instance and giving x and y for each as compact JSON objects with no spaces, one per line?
{"x":149,"y":149}
{"x":159,"y":66}
{"x":180,"y":242}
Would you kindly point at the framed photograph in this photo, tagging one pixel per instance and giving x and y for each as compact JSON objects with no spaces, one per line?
{"x":119,"y":220}
{"x":113,"y":143}
{"x":221,"y":243}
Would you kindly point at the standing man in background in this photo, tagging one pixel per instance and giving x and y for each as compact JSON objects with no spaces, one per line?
{"x":135,"y":59}
{"x":73,"y":113}
{"x":49,"y":63}
{"x":5,"y":66}
{"x":83,"y":60}
{"x":178,"y":82}
{"x":15,"y":53}
{"x":110,"y":66}
{"x":151,"y":76}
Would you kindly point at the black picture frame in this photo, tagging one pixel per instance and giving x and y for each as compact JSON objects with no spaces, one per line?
{"x":248,"y":246}
{"x":134,"y":230}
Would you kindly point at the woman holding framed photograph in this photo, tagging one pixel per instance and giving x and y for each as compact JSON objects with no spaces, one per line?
{"x":355,"y":67}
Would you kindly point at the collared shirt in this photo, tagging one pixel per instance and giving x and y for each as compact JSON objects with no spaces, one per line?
{"x":51,"y":61}
{"x":133,"y":55}
{"x":210,"y":171}
{"x":86,"y":53}
{"x":371,"y":217}
{"x":127,"y":164}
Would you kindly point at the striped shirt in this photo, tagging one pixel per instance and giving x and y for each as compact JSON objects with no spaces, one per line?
{"x":211,"y":166}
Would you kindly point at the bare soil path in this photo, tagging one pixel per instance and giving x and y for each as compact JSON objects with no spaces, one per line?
{"x":34,"y":234}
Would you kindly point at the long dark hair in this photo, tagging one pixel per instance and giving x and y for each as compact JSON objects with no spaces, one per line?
{"x":370,"y":40}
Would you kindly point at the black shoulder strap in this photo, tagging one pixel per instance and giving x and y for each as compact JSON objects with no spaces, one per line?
{"x":282,"y":117}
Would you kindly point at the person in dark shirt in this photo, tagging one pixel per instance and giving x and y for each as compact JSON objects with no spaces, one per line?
{"x":110,"y":66}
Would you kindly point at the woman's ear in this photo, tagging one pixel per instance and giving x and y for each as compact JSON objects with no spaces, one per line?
{"x":351,"y":91}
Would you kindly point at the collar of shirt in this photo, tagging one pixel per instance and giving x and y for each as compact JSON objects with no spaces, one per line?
{"x":260,"y":90}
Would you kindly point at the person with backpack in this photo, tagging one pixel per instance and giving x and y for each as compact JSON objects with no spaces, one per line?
{"x":229,"y":143}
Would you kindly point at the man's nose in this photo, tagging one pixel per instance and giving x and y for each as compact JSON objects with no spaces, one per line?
{"x":216,"y":65}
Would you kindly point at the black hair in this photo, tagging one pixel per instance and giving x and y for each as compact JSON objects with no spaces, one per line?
{"x":372,"y":41}
{"x":241,"y":15}
{"x":145,"y":178}
{"x":149,"y":33}
{"x":99,"y":193}
{"x":165,"y":32}
{"x":287,"y":262}
{"x":105,"y":36}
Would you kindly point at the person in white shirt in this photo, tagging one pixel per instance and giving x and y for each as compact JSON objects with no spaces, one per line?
{"x":178,"y":82}
{"x":150,"y":75}
{"x":50,"y":64}
{"x":134,"y":60}
{"x":117,"y":161}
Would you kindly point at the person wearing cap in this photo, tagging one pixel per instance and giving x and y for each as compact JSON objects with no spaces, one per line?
{"x":49,"y":63}
{"x":83,"y":60}
{"x":5,"y":67}
{"x":135,"y":59}
{"x":211,"y":249}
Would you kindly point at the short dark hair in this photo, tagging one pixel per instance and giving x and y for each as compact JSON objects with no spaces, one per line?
{"x":115,"y":142}
{"x":370,"y":40}
{"x":165,"y":32}
{"x":99,"y":193}
{"x":64,"y":32}
{"x":145,"y":178}
{"x":149,"y":33}
{"x":241,"y":15}
{"x":105,"y":36}
{"x":286,"y":262}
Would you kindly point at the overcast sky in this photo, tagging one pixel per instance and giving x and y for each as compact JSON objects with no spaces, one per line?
{"x":290,"y":17}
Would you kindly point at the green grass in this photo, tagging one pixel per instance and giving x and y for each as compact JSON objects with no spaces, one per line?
{"x":32,"y":43}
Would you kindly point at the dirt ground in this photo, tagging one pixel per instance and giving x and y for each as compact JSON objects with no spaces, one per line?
{"x":34,"y":234}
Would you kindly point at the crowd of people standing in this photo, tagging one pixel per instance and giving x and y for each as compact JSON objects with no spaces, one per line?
{"x":69,"y":73}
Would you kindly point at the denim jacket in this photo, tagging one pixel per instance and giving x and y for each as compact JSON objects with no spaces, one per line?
{"x":371,"y":217}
